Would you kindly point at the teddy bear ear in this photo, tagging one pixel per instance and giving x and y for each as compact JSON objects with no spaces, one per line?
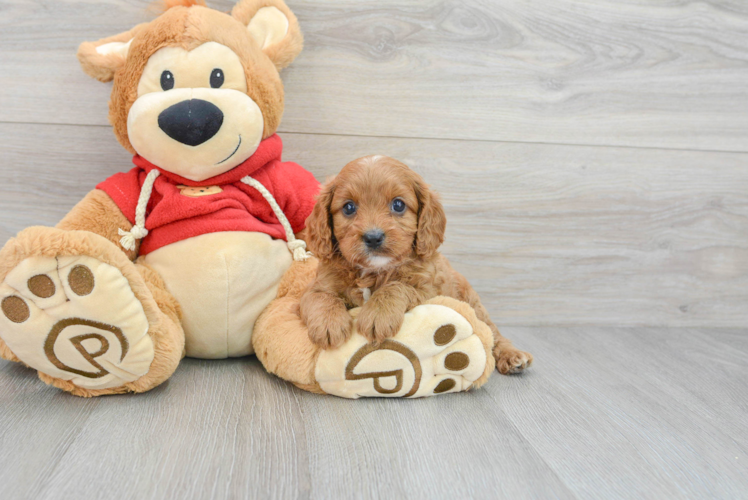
{"x":273,"y":27}
{"x":103,"y":58}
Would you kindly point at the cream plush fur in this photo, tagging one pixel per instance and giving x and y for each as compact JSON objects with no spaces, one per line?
{"x":221,"y":290}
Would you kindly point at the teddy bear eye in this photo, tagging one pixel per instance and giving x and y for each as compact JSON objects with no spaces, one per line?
{"x":398,"y":206}
{"x":167,"y":80}
{"x":216,"y":78}
{"x":349,"y":208}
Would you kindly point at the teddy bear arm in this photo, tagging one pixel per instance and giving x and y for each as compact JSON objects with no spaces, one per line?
{"x":98,"y":213}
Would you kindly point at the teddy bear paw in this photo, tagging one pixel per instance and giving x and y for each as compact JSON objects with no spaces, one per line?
{"x":435,"y":352}
{"x":77,"y":319}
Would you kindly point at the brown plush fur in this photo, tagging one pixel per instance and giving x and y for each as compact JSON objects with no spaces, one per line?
{"x":98,"y":213}
{"x":161,"y":310}
{"x":280,"y":339}
{"x":189,"y":26}
{"x":103,"y":67}
{"x":415,"y":273}
{"x":284,"y":52}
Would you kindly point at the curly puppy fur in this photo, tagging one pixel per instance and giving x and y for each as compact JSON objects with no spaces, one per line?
{"x":404,"y":271}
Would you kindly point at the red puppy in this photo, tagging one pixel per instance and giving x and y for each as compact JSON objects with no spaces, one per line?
{"x":376,"y":229}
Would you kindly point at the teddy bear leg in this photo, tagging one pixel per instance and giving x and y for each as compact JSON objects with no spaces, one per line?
{"x":280,"y":339}
{"x":75,"y":308}
{"x":442,"y":347}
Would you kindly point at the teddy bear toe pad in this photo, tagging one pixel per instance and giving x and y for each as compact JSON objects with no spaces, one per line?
{"x":76,"y":319}
{"x":435,"y":352}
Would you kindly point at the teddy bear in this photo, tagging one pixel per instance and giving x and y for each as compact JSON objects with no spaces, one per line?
{"x":198,"y":250}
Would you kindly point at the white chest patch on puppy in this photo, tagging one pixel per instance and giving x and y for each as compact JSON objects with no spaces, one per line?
{"x":379,"y":261}
{"x":367,"y":294}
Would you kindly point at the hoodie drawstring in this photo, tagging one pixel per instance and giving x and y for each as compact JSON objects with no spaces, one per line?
{"x":295,"y":245}
{"x":138,"y":231}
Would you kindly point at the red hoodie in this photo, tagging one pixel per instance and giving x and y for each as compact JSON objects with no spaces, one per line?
{"x":175,"y":212}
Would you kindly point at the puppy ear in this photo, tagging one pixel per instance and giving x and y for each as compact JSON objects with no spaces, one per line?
{"x":321,"y":239}
{"x":274,"y":28}
{"x":103,"y":58}
{"x":432,"y":221}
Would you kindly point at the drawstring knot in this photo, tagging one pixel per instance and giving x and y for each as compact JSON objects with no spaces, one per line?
{"x":128,"y":237}
{"x":298,"y":249}
{"x":138,"y":231}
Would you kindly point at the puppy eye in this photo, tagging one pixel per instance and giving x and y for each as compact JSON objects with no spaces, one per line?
{"x":349,"y":208}
{"x":398,"y":206}
{"x":167,"y":80}
{"x":216,"y":78}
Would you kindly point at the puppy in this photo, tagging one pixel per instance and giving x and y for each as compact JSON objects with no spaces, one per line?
{"x":376,"y":229}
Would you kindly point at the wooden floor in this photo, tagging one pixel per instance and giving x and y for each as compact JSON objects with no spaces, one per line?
{"x":592,"y":156}
{"x":606,"y":413}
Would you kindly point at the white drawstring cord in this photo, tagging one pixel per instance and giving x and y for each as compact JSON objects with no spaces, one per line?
{"x":138,"y":231}
{"x":297,"y":246}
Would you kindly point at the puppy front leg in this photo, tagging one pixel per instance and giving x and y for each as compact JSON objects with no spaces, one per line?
{"x":326,"y":317}
{"x":382,"y":316}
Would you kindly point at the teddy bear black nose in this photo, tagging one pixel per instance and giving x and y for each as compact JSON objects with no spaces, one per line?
{"x":191,"y":122}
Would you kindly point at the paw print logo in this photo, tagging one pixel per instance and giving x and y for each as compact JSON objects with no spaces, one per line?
{"x":377,"y":376}
{"x":82,"y":344}
{"x":75,"y":318}
{"x":436,"y":351}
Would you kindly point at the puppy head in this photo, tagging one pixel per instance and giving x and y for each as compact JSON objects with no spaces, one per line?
{"x":196,"y":90}
{"x":376,"y":213}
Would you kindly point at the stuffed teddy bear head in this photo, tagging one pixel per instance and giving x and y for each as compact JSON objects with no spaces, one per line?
{"x":196,"y":90}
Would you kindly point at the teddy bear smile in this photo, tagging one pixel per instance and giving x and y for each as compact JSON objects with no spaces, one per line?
{"x":232,"y":154}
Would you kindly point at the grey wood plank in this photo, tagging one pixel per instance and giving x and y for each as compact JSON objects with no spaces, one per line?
{"x":37,"y":426}
{"x":547,"y":234}
{"x":604,"y":413}
{"x":636,"y":412}
{"x":614,"y":72}
{"x":215,"y":430}
{"x":227,"y":430}
{"x":457,"y":447}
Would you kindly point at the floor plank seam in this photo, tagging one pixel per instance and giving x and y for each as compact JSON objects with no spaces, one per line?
{"x":441,"y":139}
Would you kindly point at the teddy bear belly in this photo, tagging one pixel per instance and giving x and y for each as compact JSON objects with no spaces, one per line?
{"x":222,"y":281}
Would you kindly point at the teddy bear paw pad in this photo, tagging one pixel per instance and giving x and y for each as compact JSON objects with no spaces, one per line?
{"x":77,"y":319}
{"x":435,"y":352}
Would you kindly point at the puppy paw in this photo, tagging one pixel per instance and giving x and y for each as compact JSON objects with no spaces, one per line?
{"x":512,"y":361}
{"x":330,"y":331}
{"x":377,"y":326}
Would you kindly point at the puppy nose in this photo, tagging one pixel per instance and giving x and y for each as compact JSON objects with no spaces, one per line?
{"x":374,"y":238}
{"x":191,"y":122}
